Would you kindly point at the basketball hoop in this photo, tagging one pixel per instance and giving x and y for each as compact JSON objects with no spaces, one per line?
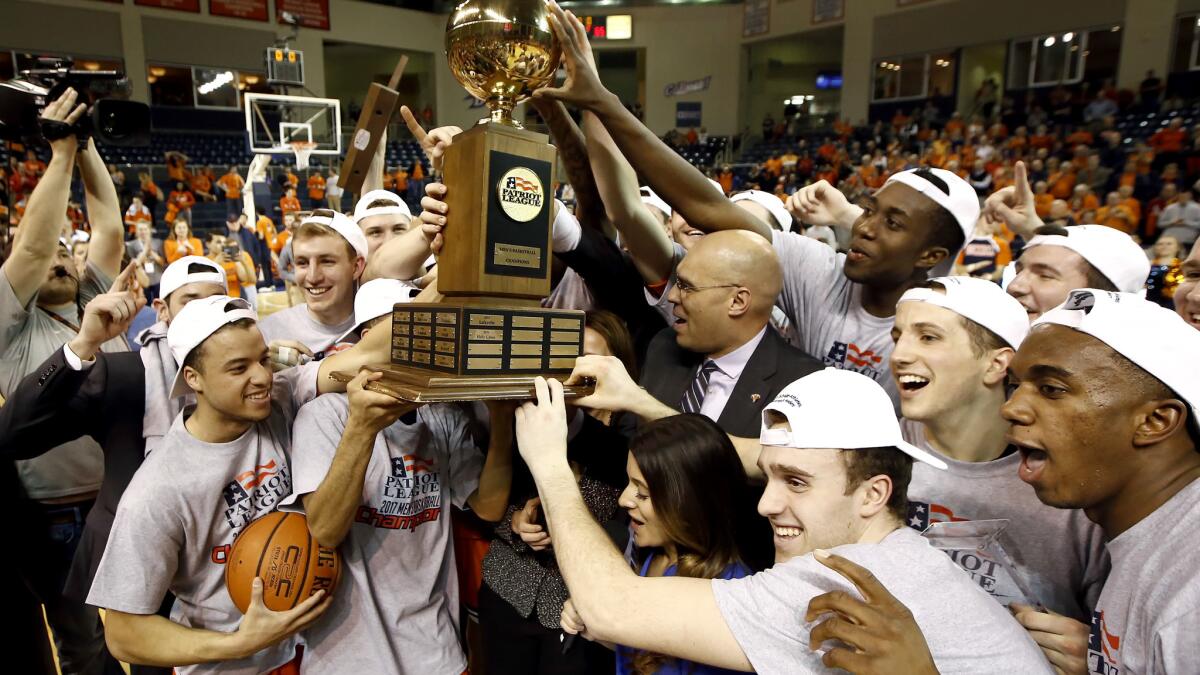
{"x":302,"y":150}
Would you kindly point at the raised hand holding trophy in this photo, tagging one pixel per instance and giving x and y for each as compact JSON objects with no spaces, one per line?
{"x":489,"y":338}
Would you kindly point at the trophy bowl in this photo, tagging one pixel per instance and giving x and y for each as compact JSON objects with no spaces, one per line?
{"x":501,"y":51}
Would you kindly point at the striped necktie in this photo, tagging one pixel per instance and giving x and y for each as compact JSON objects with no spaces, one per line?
{"x":693,"y":398}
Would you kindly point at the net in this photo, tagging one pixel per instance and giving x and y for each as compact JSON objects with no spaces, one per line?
{"x":302,"y":150}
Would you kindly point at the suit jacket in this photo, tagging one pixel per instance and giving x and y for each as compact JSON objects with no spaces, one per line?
{"x":55,"y":404}
{"x":775,"y":364}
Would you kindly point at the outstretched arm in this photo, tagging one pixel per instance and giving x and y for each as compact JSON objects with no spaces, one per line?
{"x":36,"y":241}
{"x":572,"y":149}
{"x":104,"y":211}
{"x":676,"y":181}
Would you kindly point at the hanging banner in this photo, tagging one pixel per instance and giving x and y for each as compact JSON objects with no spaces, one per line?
{"x":687,"y":114}
{"x":255,"y":10}
{"x":310,"y":13}
{"x":181,"y":5}
{"x":824,"y":11}
{"x":687,"y":86}
{"x":756,"y":18}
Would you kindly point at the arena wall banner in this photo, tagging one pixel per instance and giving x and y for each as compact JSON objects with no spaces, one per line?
{"x":311,"y":13}
{"x":255,"y":10}
{"x":181,"y":5}
{"x":687,"y":114}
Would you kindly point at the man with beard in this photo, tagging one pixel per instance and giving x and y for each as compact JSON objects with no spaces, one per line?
{"x":1107,"y":388}
{"x":40,"y":298}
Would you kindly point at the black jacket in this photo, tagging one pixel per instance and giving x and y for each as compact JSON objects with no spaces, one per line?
{"x":670,"y":369}
{"x":55,"y":404}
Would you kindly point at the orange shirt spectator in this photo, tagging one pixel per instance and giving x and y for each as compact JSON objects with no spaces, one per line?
{"x":137,"y":213}
{"x":1062,"y":183}
{"x":201,"y":183}
{"x":955,"y":125}
{"x":264,"y":227}
{"x":232,"y":184}
{"x":418,"y":172}
{"x":1080,"y":137}
{"x":773,"y":166}
{"x":1041,"y":141}
{"x":35,"y":166}
{"x":289,"y":204}
{"x":1170,"y":139}
{"x":725,"y":178}
{"x":180,"y":200}
{"x":177,"y":166}
{"x":281,"y":240}
{"x":293,"y":180}
{"x":400,"y":181}
{"x":181,"y":243}
{"x":1041,"y":204}
{"x":316,"y":187}
{"x":1117,"y":217}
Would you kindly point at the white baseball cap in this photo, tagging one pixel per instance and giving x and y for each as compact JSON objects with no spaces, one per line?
{"x":838,"y":409}
{"x":768,"y":201}
{"x":977,"y":300}
{"x":953,"y":194}
{"x":397,"y":206}
{"x":342,"y":225}
{"x":191,"y":269}
{"x":376,"y":298}
{"x":1112,"y":252}
{"x":1154,"y":338}
{"x":651,"y":198}
{"x":196,"y":322}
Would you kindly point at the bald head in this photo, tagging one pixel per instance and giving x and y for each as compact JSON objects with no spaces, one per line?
{"x":744,"y":259}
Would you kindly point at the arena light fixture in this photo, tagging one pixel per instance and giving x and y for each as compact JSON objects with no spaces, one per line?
{"x":222,"y":79}
{"x":1049,"y":41}
{"x":1115,"y":29}
{"x":158,"y":72}
{"x":1067,"y":37}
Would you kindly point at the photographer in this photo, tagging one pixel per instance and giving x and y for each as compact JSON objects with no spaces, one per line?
{"x":237,"y":263}
{"x":40,"y":295}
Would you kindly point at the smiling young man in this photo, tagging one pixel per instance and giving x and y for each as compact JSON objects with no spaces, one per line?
{"x":955,"y":339}
{"x":330,"y":253}
{"x":840,"y":305}
{"x":1187,"y":294}
{"x":1107,"y":387}
{"x":1058,"y":260}
{"x":837,"y":469}
{"x":381,"y":215}
{"x":190,"y":498}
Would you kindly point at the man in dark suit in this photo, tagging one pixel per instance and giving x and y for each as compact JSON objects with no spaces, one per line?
{"x":720,"y":358}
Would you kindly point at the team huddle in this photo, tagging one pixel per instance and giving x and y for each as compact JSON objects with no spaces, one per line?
{"x":794,"y":459}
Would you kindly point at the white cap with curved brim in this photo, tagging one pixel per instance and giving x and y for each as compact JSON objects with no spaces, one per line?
{"x":198,"y":320}
{"x":950,"y":192}
{"x":341,"y":224}
{"x":191,"y":269}
{"x":979,"y":301}
{"x":363,"y":208}
{"x":770,"y":202}
{"x":376,"y":298}
{"x":1111,"y":252}
{"x":1154,"y":338}
{"x":651,"y":198}
{"x":841,"y":410}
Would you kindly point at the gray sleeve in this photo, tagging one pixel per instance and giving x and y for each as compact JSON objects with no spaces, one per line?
{"x":142,"y":554}
{"x":810,"y":270}
{"x":466,"y":460}
{"x":1173,"y":650}
{"x":285,"y":261}
{"x":94,"y":282}
{"x":765,"y":613}
{"x":13,"y":314}
{"x":315,"y":437}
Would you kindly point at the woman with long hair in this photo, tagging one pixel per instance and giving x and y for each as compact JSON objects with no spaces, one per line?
{"x":691,"y":513}
{"x":181,"y":242}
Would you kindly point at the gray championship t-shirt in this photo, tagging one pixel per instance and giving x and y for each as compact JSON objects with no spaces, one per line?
{"x":1058,"y":554}
{"x":826,"y":312}
{"x":1148,"y":617}
{"x":396,"y":609}
{"x":180,"y":514}
{"x":295,"y":323}
{"x":967,"y":631}
{"x":28,"y":336}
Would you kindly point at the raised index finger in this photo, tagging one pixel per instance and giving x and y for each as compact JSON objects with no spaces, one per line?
{"x":121,"y":283}
{"x":413,"y":125}
{"x":1021,"y":179}
{"x":861,"y":577}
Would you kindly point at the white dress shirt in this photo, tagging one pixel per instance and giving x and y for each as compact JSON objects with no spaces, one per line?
{"x":725,"y":377}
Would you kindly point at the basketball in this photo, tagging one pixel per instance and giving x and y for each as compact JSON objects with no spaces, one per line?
{"x":279,"y":548}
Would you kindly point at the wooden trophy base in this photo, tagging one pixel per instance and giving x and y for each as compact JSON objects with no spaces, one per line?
{"x":444,"y":352}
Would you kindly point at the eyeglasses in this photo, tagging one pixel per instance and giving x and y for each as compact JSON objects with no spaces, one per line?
{"x":686,"y":289}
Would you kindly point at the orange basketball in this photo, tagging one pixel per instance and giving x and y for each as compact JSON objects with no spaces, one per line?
{"x":293,"y":566}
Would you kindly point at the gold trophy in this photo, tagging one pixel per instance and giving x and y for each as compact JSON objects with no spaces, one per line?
{"x":489,"y":338}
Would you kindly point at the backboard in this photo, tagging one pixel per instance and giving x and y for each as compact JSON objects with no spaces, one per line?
{"x":274,"y":120}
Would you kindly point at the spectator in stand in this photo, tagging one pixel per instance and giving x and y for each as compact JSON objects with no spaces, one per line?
{"x":1149,"y":92}
{"x":34,"y":166}
{"x":1181,"y":220}
{"x":181,"y":242}
{"x":180,"y":203}
{"x":202,"y":185}
{"x":1042,"y":199}
{"x":1093,"y":175}
{"x":1131,"y":203}
{"x":1100,"y":107}
{"x":79,"y":255}
{"x":239,"y":268}
{"x":316,"y":189}
{"x":333,"y":192}
{"x":266,"y":234}
{"x":1168,"y":142}
{"x":291,"y":180}
{"x":177,"y":166}
{"x":288,"y":202}
{"x":1154,"y":210}
{"x":135,"y":214}
{"x":1116,"y":214}
{"x":151,"y":193}
{"x":1165,"y":271}
{"x":231,"y":184}
{"x":980,"y":178}
{"x":1082,"y":200}
{"x":1060,"y":214}
{"x":118,"y":179}
{"x":147,"y":254}
{"x":1060,"y":177}
{"x":416,"y":183}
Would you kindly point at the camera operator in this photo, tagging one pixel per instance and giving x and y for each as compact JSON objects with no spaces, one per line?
{"x":40,"y":295}
{"x":227,"y":252}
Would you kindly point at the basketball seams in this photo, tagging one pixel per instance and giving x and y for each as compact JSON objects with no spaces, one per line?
{"x":308,"y":549}
{"x":267,"y":547}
